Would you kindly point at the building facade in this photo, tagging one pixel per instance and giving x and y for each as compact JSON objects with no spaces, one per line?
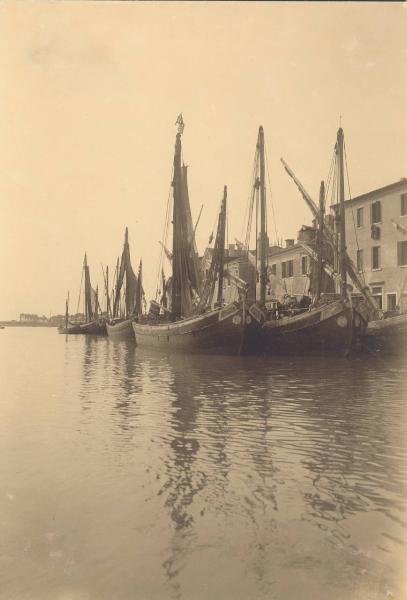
{"x":376,"y":239}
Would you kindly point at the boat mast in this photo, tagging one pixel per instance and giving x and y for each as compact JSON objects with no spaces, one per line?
{"x":107,"y":293}
{"x":222,"y":246}
{"x":341,"y":191}
{"x":176,"y":302}
{"x":86,"y":272}
{"x":320,"y":240}
{"x":67,"y":311}
{"x":262,"y":242}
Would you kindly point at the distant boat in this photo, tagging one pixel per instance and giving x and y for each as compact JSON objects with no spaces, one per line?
{"x":93,"y":324}
{"x":192,"y":322}
{"x":127,"y":302}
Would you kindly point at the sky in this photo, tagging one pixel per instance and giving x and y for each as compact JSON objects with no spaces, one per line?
{"x":89,"y":96}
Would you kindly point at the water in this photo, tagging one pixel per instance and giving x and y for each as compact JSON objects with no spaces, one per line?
{"x":132,"y":475}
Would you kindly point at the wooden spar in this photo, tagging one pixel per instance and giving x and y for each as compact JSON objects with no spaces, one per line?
{"x":222,"y":247}
{"x":116,"y":299}
{"x":341,"y":190}
{"x":263,"y":234}
{"x":86,"y":296}
{"x":303,"y":191}
{"x":329,"y":237}
{"x":176,"y":303}
{"x":97,"y":302}
{"x":196,"y":224}
{"x":67,"y":311}
{"x":139,"y":290}
{"x":320,"y":239}
{"x":107,"y":293}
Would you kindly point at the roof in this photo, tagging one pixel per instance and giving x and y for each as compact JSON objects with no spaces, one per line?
{"x":387,"y":189}
{"x":277,"y":250}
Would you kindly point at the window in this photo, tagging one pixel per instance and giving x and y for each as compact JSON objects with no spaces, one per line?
{"x":375,"y":232}
{"x":287,"y":268}
{"x":391,"y":301}
{"x":377,"y":293}
{"x":359,"y":217}
{"x":304,"y":265}
{"x":376,"y":213}
{"x":403,"y":205}
{"x":274,"y":269}
{"x":402,"y":254}
{"x":376,"y":257}
{"x":290,"y":268}
{"x":359,"y":260}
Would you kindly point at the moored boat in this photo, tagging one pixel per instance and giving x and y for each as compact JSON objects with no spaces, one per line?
{"x":340,"y":325}
{"x":323,"y":329}
{"x":92,"y":323}
{"x":129,"y":293}
{"x":323,"y":322}
{"x":387,"y":335}
{"x":192,"y":322}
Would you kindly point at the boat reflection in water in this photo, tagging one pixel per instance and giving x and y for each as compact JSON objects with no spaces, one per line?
{"x":175,"y":476}
{"x":255,"y":456}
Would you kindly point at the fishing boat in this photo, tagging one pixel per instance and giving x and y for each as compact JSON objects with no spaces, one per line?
{"x":330,"y":323}
{"x":189,"y":320}
{"x":92,"y":323}
{"x":127,"y":302}
{"x":387,"y":335}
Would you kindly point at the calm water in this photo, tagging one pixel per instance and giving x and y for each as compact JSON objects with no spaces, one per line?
{"x":132,"y":475}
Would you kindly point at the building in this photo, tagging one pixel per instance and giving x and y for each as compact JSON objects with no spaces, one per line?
{"x":376,"y":239}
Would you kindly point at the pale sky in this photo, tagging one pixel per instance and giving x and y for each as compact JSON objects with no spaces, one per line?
{"x":89,"y":94}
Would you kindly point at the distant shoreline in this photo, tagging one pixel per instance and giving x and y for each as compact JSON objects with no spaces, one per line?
{"x":23,"y":324}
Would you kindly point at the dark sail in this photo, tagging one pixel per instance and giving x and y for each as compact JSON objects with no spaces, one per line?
{"x":215,"y":272}
{"x":89,"y":305}
{"x":127,"y":275}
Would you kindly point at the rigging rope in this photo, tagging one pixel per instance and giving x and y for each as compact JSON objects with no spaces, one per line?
{"x":249,"y":207}
{"x":353,"y":215}
{"x":271,"y":199}
{"x":80,"y":291}
{"x":164,"y":244}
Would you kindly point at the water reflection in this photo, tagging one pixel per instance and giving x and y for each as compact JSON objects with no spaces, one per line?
{"x":242,"y":457}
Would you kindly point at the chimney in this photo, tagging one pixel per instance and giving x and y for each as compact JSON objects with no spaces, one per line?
{"x":289,"y":243}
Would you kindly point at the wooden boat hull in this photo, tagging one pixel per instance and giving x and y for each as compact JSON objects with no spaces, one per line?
{"x":387,"y":335}
{"x":72,"y":329}
{"x":120,"y":329}
{"x":220,"y":331}
{"x":92,"y":328}
{"x":326,"y":329}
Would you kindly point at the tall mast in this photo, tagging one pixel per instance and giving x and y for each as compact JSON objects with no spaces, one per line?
{"x":107,"y":293}
{"x":176,"y":303}
{"x":320,"y":238}
{"x":86,"y":272}
{"x":262,"y":241}
{"x":341,"y":192}
{"x":97,"y":302}
{"x":67,"y":311}
{"x":222,"y":246}
{"x":139,"y":290}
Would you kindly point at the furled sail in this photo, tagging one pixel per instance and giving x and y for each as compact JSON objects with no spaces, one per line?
{"x":215,"y":272}
{"x":89,"y":305}
{"x":185,"y":287}
{"x":125,"y":275}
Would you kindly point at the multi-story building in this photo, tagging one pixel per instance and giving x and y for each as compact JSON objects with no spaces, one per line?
{"x":376,"y":239}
